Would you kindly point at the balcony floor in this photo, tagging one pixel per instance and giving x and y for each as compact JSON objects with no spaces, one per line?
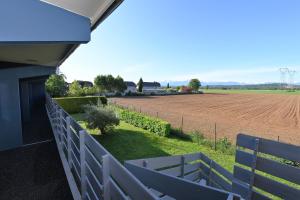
{"x":34,"y":172}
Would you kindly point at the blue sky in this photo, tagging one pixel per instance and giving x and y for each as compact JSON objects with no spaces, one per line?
{"x":213,"y":40}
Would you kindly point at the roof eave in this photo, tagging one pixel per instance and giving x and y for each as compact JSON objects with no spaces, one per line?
{"x":112,"y":7}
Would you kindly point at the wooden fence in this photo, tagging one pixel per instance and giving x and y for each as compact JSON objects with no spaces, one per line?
{"x":183,"y":174}
{"x":92,"y":172}
{"x":267,"y":166}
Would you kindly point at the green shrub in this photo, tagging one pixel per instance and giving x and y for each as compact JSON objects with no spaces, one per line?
{"x":225,"y":146}
{"x":151,"y":124}
{"x":197,"y":137}
{"x":75,"y":104}
{"x":100,"y":117}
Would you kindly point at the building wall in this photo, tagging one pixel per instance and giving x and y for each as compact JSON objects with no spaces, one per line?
{"x":131,"y":89}
{"x":150,"y":88}
{"x":10,"y":109}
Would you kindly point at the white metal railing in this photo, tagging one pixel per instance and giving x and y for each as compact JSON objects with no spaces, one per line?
{"x":194,"y":176}
{"x":92,"y":172}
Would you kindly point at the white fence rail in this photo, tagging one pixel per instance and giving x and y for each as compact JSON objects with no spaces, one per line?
{"x":92,"y":172}
{"x":190,"y":176}
{"x":279,"y":160}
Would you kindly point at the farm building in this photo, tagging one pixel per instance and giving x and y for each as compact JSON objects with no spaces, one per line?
{"x":151,"y":85}
{"x":152,"y":88}
{"x":131,"y":87}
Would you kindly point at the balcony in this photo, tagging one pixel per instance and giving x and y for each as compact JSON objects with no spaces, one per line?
{"x":93,"y":173}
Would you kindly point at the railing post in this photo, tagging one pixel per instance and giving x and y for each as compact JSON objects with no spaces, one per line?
{"x":68,"y":121}
{"x":82,"y":163}
{"x":182,"y":161}
{"x":106,"y":177}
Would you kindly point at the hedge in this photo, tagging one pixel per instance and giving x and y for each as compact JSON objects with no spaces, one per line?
{"x":154,"y":125}
{"x":74,"y":104}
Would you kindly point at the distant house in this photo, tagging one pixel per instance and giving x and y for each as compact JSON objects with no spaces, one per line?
{"x":131,"y":87}
{"x":151,"y":85}
{"x":151,"y":88}
{"x":85,"y":83}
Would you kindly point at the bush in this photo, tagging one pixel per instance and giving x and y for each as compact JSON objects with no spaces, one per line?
{"x":225,"y":146}
{"x":100,"y":117}
{"x":75,"y":104}
{"x":197,"y":137}
{"x":154,"y":125}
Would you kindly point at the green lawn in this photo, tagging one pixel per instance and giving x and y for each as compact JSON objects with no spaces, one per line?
{"x":245,"y":91}
{"x":127,"y":142}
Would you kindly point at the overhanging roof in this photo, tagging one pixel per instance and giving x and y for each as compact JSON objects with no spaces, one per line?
{"x":46,"y":32}
{"x":92,"y":9}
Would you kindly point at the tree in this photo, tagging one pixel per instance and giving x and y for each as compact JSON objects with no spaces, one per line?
{"x":89,"y":90}
{"x":140,"y":85}
{"x":194,"y":84}
{"x":75,"y":89}
{"x":100,"y":117}
{"x":108,"y":83}
{"x":56,"y":85}
{"x":119,"y":84}
{"x":168,"y":85}
{"x":101,"y":82}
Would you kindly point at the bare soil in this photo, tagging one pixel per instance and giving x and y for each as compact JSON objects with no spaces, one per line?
{"x":270,"y":116}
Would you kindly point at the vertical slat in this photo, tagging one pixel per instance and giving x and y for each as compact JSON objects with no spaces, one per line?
{"x":69,"y":140}
{"x":82,"y":163}
{"x":60,"y":122}
{"x":209,"y":175}
{"x":253,"y":166}
{"x":106,"y":177}
{"x":182,"y":166}
{"x":55,"y":120}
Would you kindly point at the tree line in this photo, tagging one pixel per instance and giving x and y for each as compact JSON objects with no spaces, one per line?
{"x":57,"y":86}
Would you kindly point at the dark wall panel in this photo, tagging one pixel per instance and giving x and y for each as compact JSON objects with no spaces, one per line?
{"x":10,"y":105}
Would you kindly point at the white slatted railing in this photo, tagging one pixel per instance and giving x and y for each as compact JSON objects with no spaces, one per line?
{"x":92,"y":172}
{"x":194,"y":176}
{"x":267,"y":156}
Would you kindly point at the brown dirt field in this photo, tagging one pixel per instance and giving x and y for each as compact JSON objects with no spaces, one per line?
{"x":263,"y":115}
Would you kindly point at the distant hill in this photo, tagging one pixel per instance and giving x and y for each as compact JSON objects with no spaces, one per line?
{"x":232,"y":85}
{"x":180,"y":83}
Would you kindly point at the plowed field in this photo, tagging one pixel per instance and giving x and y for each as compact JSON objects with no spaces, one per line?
{"x":265,"y":115}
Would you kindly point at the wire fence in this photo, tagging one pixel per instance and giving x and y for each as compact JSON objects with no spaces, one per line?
{"x":209,"y":127}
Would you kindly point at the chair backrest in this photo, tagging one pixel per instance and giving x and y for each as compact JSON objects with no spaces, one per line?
{"x":266,"y":168}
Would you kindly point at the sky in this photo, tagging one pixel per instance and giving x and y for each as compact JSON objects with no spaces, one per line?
{"x":213,"y":40}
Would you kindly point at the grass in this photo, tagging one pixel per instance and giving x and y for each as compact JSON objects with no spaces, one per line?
{"x":127,"y":142}
{"x":246,"y":91}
